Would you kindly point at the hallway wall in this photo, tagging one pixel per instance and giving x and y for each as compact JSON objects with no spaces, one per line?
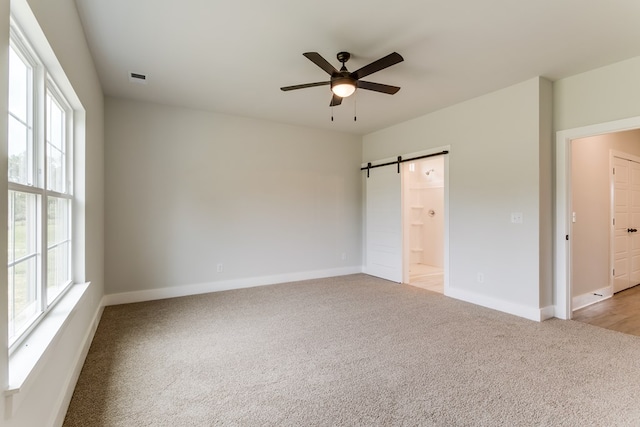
{"x":590,"y":183}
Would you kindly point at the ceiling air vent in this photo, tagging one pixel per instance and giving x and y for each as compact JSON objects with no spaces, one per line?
{"x":138,"y":78}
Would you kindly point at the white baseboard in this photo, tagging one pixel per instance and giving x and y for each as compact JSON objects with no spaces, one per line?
{"x":547,"y":312}
{"x":586,"y":299}
{"x":224,"y":285}
{"x":531,"y":313}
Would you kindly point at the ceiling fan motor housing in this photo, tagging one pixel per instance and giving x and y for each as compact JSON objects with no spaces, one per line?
{"x":343,"y":57}
{"x":342,"y":81}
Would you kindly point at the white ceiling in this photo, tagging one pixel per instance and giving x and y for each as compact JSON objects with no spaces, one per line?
{"x":232,"y":56}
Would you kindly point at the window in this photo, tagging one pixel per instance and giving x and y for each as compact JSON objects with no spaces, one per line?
{"x":40,"y":190}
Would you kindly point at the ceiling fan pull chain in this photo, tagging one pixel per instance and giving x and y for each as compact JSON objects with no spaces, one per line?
{"x":332,"y":113}
{"x":355,"y":103}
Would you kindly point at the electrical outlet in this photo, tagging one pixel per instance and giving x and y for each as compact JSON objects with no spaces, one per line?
{"x":480,"y":277}
{"x":343,"y":256}
{"x":516,"y":217}
{"x":219,"y":268}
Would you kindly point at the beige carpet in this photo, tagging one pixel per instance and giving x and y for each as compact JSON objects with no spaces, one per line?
{"x":350,"y":351}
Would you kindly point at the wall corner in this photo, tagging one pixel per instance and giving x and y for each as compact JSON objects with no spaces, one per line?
{"x":546,"y":162}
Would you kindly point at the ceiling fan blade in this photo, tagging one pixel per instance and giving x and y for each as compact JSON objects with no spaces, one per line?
{"x":335,"y":100}
{"x":317,"y":59}
{"x":375,"y":66}
{"x":378,"y":87}
{"x":303,"y":86}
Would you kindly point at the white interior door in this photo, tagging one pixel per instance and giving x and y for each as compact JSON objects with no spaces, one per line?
{"x":634,"y":235}
{"x":626,"y":246}
{"x":384,"y":224}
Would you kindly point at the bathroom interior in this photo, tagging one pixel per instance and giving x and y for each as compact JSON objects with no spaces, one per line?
{"x":423,"y":223}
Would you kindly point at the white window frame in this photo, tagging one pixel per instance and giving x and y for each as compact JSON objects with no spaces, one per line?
{"x":43,"y":84}
{"x":55,"y":93}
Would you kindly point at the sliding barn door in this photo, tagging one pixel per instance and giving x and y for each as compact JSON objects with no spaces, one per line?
{"x":384,"y":224}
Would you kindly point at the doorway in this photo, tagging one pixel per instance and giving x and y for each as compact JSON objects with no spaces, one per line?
{"x":615,"y":306}
{"x":605,"y":197}
{"x":573,"y":275}
{"x":390,"y":213}
{"x":423,"y":223}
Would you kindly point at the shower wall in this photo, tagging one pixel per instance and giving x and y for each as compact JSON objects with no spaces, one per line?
{"x":423,"y":184}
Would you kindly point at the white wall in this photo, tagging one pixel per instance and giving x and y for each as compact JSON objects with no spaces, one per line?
{"x":188,"y":189}
{"x":598,"y":96}
{"x":45,"y":400}
{"x":500,"y":148}
{"x":590,"y":187}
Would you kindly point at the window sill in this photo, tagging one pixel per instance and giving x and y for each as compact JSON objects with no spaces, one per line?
{"x":27,"y":360}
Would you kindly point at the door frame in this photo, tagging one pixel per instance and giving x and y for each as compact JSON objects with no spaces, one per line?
{"x":406,"y":250}
{"x":563,"y":241}
{"x":425,"y":152}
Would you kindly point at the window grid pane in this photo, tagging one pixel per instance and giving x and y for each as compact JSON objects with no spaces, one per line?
{"x":20,"y":88}
{"x":58,"y":276}
{"x":58,"y":221}
{"x":23,"y":230}
{"x":24,"y":296}
{"x":59,"y":246}
{"x":19,"y":148}
{"x":20,"y":120}
{"x":24,"y":283}
{"x":56,"y":160}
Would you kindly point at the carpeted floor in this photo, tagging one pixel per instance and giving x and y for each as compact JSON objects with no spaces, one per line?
{"x":350,"y":351}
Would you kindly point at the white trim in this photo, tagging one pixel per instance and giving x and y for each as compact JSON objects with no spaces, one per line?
{"x":612,"y":227}
{"x":584,"y":300}
{"x":72,"y":378}
{"x":224,"y":285}
{"x":531,"y":313}
{"x":547,"y":312}
{"x":562,"y":248}
{"x":28,"y":360}
{"x":434,"y":150}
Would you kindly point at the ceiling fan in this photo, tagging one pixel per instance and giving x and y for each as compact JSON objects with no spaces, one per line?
{"x":344,"y":83}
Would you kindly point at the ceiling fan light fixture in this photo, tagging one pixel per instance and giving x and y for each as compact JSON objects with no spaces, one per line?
{"x":343,"y":83}
{"x":343,"y":87}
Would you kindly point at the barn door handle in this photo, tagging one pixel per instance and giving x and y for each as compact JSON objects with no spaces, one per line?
{"x":632,"y":230}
